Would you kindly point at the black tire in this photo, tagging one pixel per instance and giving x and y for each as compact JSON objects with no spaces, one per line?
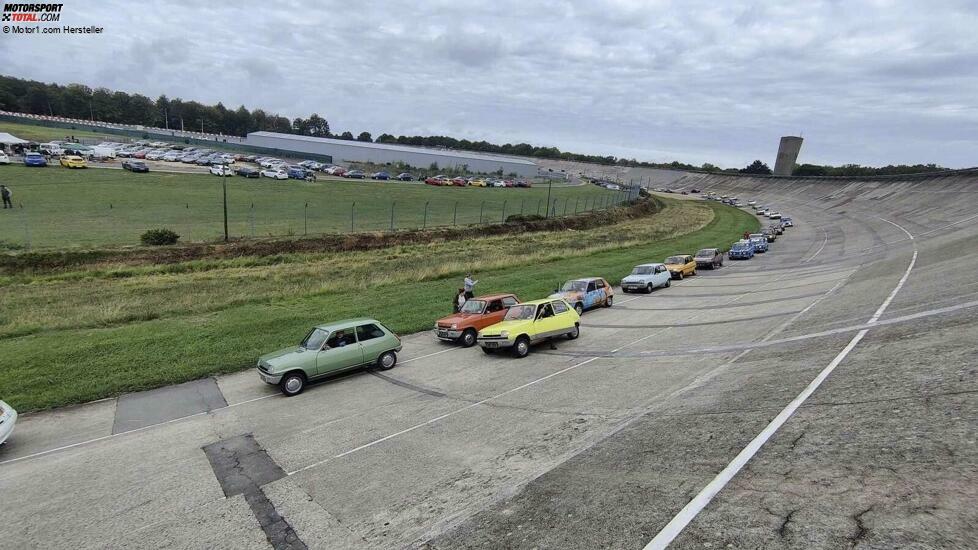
{"x":468,"y":338}
{"x":292,"y":384}
{"x":668,"y":283}
{"x":680,"y":277}
{"x":522,"y":347}
{"x":693,"y":273}
{"x":609,"y":301}
{"x":625,"y":290}
{"x":387,"y":360}
{"x":573,"y":335}
{"x":488,"y":351}
{"x":579,"y":308}
{"x":649,"y":288}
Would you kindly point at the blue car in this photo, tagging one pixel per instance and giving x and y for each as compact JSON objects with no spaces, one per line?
{"x":35,"y":159}
{"x":297,"y":172}
{"x":759,"y":240}
{"x":741,"y":250}
{"x":381,"y":176}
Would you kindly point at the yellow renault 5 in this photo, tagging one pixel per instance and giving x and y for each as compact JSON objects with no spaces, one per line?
{"x":681,"y":265}
{"x":73,"y":161}
{"x":530,"y":323}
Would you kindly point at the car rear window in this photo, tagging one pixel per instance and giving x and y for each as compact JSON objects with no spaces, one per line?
{"x":369,"y":332}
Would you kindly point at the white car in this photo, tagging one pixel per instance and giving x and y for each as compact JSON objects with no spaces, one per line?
{"x":752,"y":203}
{"x":8,"y":417}
{"x":4,"y":159}
{"x":155,"y":155}
{"x":774,"y":215}
{"x":275,"y":173}
{"x":172,"y":156}
{"x":646,"y":277}
{"x":222,"y":170}
{"x":268,"y":163}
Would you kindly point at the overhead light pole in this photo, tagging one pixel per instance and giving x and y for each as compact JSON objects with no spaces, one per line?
{"x":224,"y":186}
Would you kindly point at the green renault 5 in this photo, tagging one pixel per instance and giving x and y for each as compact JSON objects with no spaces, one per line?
{"x":330,"y":349}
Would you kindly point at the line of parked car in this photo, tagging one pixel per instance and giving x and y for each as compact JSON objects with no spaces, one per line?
{"x":459,"y":181}
{"x":496,"y":322}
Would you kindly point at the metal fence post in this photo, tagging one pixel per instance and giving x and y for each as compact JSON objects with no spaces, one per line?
{"x":565,"y":207}
{"x":553,"y":209}
{"x":27,"y":228}
{"x":522,"y":201}
{"x":424,"y":223}
{"x":305,"y":219}
{"x":455,"y":215}
{"x":353,"y":217}
{"x":392,"y":215}
{"x":577,"y":202}
{"x":504,"y":212}
{"x":481,"y":209}
{"x":251,"y":219}
{"x":538,"y":207}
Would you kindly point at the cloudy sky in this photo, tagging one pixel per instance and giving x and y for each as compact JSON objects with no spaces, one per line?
{"x":869,"y":82}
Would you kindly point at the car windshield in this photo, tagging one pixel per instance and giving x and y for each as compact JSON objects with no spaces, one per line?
{"x":705,"y":252}
{"x":473,"y":306}
{"x":574,"y":286}
{"x":739,"y":246}
{"x":520,"y":312}
{"x":643,"y":270}
{"x":315,"y":339}
{"x":675,"y":260}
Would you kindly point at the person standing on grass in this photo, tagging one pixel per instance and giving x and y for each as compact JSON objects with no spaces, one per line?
{"x":468,"y":285}
{"x":459,"y":300}
{"x":5,"y":193}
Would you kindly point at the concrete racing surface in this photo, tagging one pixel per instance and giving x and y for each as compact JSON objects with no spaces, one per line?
{"x":821,"y":395}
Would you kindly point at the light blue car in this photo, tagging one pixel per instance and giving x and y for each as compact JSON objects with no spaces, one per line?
{"x":759,"y":240}
{"x":646,"y":278}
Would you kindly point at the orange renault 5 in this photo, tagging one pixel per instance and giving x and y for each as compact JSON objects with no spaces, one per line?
{"x":476,"y":314}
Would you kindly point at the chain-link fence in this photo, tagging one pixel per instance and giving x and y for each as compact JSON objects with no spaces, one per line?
{"x":261,"y":213}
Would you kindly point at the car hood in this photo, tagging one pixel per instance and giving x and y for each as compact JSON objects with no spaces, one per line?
{"x":670,"y":267}
{"x":284,"y":356}
{"x":459,"y":318}
{"x":637,"y":278}
{"x":511,"y":326}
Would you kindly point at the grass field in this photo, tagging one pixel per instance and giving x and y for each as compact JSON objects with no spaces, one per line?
{"x":41,"y":134}
{"x":95,"y":207}
{"x":83,"y":334}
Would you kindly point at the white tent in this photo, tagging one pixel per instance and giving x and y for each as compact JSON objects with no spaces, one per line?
{"x":8,"y":139}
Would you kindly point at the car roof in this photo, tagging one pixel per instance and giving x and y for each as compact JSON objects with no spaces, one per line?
{"x":650,"y":264}
{"x":589,"y":279}
{"x":538,"y":302}
{"x":345,"y":323}
{"x":493,"y":296}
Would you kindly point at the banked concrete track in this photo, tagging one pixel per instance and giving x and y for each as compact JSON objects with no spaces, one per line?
{"x":819,"y":396}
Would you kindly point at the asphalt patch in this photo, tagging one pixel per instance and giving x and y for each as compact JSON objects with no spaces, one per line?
{"x":138,"y":410}
{"x":242,"y":467}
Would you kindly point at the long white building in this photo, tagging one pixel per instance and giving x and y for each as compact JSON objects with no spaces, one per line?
{"x":382,"y":153}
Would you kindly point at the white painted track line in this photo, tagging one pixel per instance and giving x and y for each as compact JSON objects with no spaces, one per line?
{"x":703,"y":498}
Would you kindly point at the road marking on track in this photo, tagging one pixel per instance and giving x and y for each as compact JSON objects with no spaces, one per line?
{"x":705,"y":496}
{"x":825,"y":239}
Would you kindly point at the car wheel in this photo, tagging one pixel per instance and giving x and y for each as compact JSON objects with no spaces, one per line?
{"x":488,"y":351}
{"x":649,"y":289}
{"x":522,"y":347}
{"x":468,"y":338}
{"x":668,"y":283}
{"x":292,"y":383}
{"x":693,"y":273}
{"x":680,"y":277}
{"x":610,"y":301}
{"x":572,"y":335}
{"x":387,"y":360}
{"x":579,"y":308}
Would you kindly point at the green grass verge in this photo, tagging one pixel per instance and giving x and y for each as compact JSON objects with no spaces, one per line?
{"x":97,"y":207}
{"x":41,"y":134}
{"x":161,"y":325}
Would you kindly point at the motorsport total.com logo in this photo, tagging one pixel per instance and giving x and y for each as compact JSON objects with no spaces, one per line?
{"x":32,"y":13}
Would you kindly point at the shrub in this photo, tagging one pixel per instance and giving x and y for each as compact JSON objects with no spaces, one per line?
{"x":159,"y":237}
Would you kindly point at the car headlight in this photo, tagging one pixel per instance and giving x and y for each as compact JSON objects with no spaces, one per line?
{"x":504,"y":334}
{"x":454,"y":326}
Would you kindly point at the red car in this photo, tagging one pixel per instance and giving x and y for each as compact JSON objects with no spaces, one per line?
{"x":437,"y":180}
{"x":478,"y":313}
{"x":459,"y":182}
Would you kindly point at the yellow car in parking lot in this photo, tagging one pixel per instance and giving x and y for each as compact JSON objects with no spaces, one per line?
{"x":478,"y":182}
{"x":528,"y":323}
{"x":681,"y":265}
{"x":73,"y":161}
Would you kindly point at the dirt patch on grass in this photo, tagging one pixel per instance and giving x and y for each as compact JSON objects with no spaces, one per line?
{"x":55,"y":260}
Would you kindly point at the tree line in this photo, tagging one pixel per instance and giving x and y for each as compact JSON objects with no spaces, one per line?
{"x":101,"y":104}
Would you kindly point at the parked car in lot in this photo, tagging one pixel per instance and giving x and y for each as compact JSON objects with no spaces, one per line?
{"x":355,"y":174}
{"x":478,"y":182}
{"x":404,"y":176}
{"x":522,"y":183}
{"x":35,"y":159}
{"x":296,"y":172}
{"x":438,"y":180}
{"x":221,"y":170}
{"x":380,"y":176}
{"x":329,"y":349}
{"x":741,"y":250}
{"x":8,"y":418}
{"x":172,"y":156}
{"x":73,"y":161}
{"x":135,"y":166}
{"x":275,"y":173}
{"x":759,"y":240}
{"x":587,"y":293}
{"x":529,"y":323}
{"x":709,"y":257}
{"x":646,"y":278}
{"x":476,"y":314}
{"x":681,"y":265}
{"x":247,"y":172}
